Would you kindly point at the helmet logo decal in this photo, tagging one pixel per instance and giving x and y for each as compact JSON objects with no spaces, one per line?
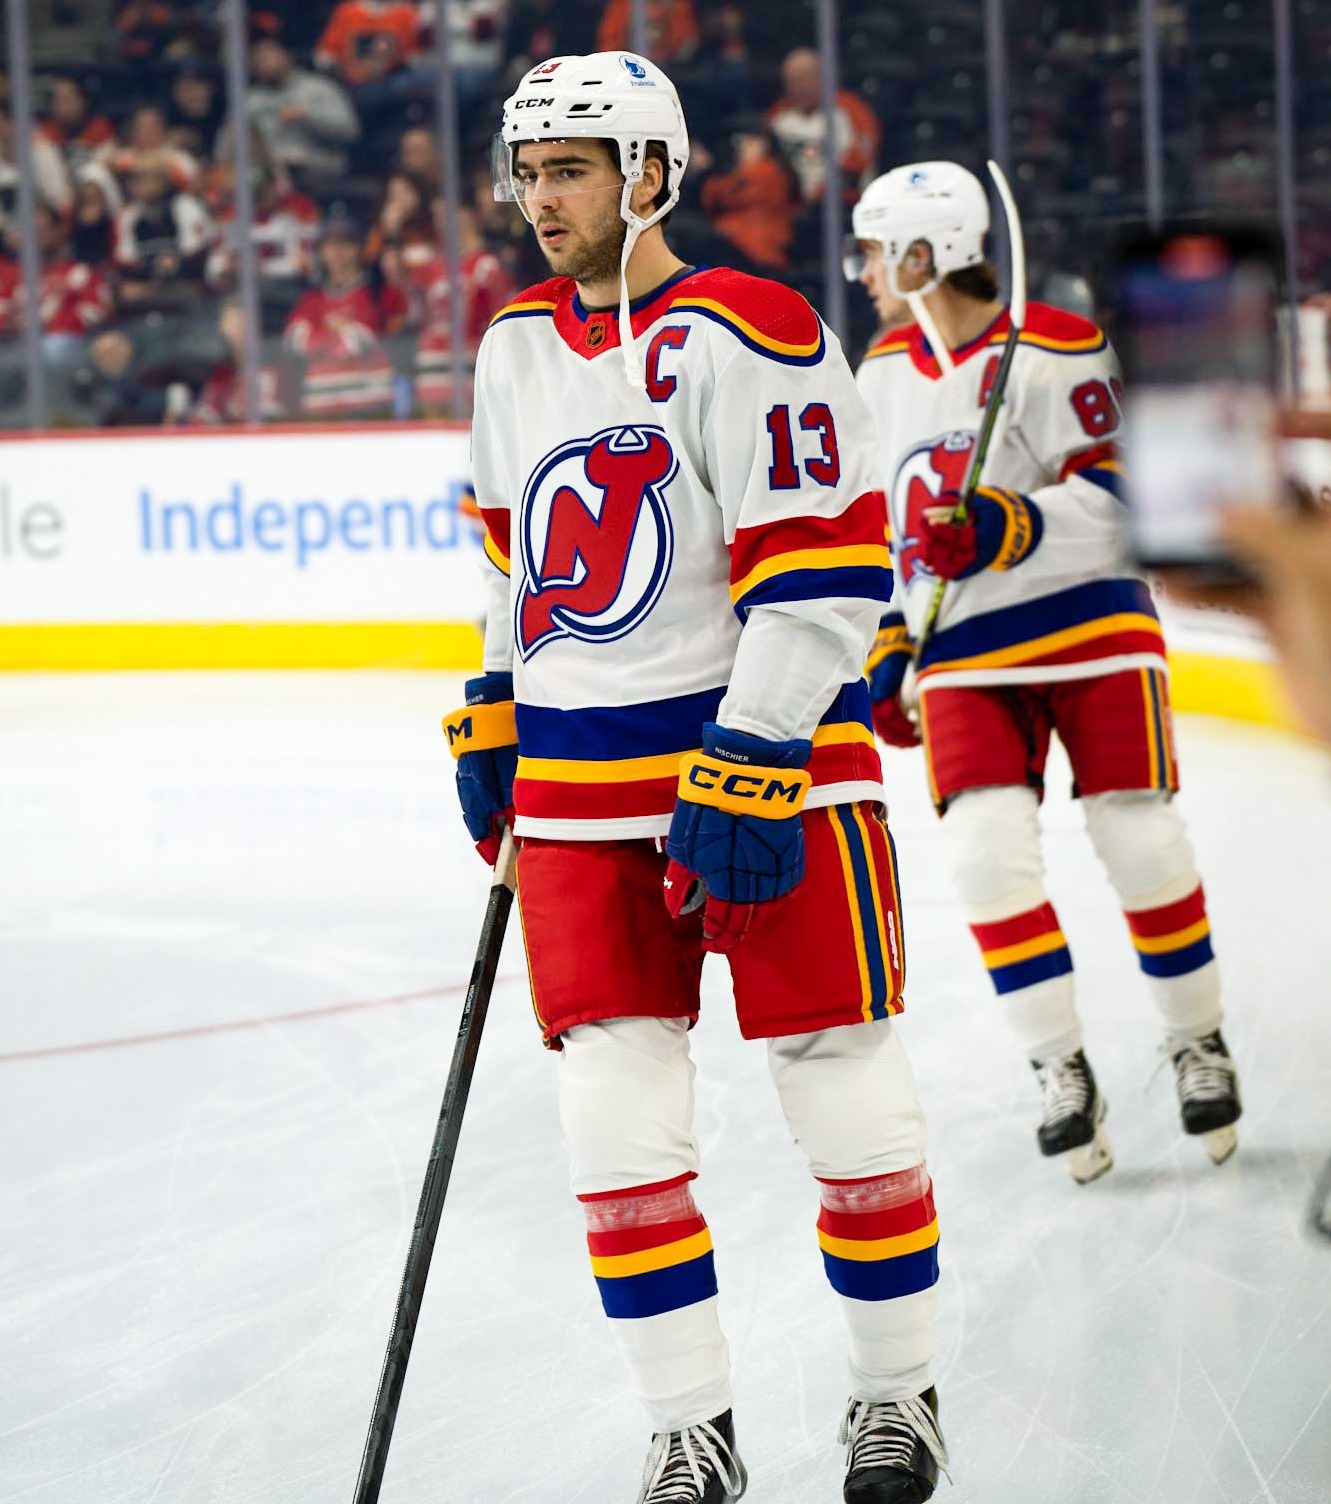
{"x":632,"y":67}
{"x":544,"y":70}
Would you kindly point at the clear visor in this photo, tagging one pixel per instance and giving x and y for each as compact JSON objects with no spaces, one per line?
{"x":532,"y":173}
{"x":858,"y":255}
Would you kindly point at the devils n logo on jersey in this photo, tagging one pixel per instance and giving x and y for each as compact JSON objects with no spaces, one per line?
{"x":596,"y":538}
{"x":924,"y":474}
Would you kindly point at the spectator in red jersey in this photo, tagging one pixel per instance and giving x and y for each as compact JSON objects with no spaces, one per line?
{"x":486,"y":286}
{"x":222,"y":398}
{"x":146,"y":138}
{"x":71,"y":126}
{"x":285,"y":232}
{"x":672,"y":30}
{"x":162,"y":240}
{"x":75,"y":298}
{"x":307,"y":121}
{"x":338,"y":329}
{"x":754,"y":205}
{"x":797,"y":121}
{"x":367,"y":41}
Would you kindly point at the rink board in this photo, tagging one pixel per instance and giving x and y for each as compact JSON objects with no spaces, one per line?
{"x":295,"y":547}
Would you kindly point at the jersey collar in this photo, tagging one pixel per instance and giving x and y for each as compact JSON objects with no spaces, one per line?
{"x":590,"y":332}
{"x":925,"y":361}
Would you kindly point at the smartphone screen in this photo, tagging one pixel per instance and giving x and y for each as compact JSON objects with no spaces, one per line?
{"x":1197,"y":332}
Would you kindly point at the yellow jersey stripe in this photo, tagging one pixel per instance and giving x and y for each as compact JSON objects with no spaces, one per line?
{"x":853,"y":904}
{"x":880,"y":922}
{"x":622,"y":1265}
{"x":612,"y":770}
{"x":494,"y":555}
{"x":1155,"y":945}
{"x":856,"y":555}
{"x":1102,"y":626}
{"x":874,"y":1249}
{"x":535,"y":306}
{"x":781,"y":347}
{"x":844,"y":734}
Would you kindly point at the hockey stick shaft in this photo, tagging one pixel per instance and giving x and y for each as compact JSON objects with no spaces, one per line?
{"x":437,"y":1175}
{"x":1016,"y":323}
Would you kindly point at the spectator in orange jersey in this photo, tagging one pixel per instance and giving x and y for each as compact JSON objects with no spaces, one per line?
{"x":672,"y":30}
{"x":755,"y":204}
{"x":797,"y":121}
{"x":366,"y":41}
{"x":71,"y":126}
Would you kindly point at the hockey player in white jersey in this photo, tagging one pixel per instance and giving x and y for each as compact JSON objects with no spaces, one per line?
{"x":687,"y":566}
{"x":1043,"y":629}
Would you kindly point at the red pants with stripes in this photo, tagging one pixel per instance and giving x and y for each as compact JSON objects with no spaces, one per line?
{"x":600,"y":943}
{"x":1116,"y":728}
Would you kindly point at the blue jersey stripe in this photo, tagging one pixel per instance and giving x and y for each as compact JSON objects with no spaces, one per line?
{"x":852,"y":583}
{"x":880,"y":987}
{"x":1010,"y":625}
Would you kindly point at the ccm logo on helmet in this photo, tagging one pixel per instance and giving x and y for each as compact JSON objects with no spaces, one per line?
{"x":532,"y":104}
{"x":746,"y":785}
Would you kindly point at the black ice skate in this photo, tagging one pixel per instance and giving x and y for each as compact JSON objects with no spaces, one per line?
{"x":1072,"y":1121}
{"x":698,"y":1465}
{"x":894,"y":1450}
{"x":1208,"y":1092}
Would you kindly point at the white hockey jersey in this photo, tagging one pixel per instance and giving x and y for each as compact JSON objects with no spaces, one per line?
{"x":1072,"y":607}
{"x":710,"y":548}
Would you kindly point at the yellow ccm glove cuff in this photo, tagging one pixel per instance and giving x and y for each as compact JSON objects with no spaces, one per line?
{"x":743,"y":789}
{"x":479,"y":728}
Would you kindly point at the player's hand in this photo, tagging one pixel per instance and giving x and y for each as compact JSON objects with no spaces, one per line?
{"x":483,"y":737}
{"x":892,"y":723}
{"x":736,"y":838}
{"x":887,"y":670}
{"x":1001,"y":529}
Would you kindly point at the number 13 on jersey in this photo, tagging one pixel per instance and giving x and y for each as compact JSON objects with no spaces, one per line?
{"x":822,"y":462}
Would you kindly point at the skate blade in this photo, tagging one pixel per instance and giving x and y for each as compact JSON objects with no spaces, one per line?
{"x":1091,"y":1160}
{"x":1220,"y":1143}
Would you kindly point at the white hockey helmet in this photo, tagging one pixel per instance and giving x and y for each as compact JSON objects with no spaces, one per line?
{"x":935,"y":201}
{"x":610,"y":96}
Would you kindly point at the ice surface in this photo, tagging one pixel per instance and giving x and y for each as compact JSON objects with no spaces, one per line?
{"x":236,"y":917}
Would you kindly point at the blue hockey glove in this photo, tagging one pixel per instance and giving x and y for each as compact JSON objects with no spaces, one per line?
{"x":1004,"y":527}
{"x":889,"y":659}
{"x":483,"y":736}
{"x":736,"y":839}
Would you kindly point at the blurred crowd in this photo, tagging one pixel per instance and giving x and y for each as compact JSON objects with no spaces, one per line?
{"x":133,"y":173}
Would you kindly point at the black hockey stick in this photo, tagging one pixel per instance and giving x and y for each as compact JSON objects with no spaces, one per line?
{"x":1016,"y":323}
{"x":437,"y":1176}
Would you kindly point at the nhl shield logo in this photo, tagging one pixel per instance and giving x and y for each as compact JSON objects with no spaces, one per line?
{"x":596,"y":538}
{"x":596,"y":335}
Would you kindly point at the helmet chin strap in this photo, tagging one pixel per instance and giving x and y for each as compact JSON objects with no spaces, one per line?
{"x":915,"y":302}
{"x":633,"y":368}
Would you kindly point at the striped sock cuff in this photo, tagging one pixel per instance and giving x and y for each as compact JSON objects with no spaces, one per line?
{"x":1023,"y":950}
{"x":878,"y":1242}
{"x":1173,"y":939}
{"x":651,"y":1250}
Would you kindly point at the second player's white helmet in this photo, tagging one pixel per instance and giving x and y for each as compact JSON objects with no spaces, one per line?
{"x":611,"y":96}
{"x":935,"y":201}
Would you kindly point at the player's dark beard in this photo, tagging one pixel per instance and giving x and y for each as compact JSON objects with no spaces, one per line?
{"x":598,"y":259}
